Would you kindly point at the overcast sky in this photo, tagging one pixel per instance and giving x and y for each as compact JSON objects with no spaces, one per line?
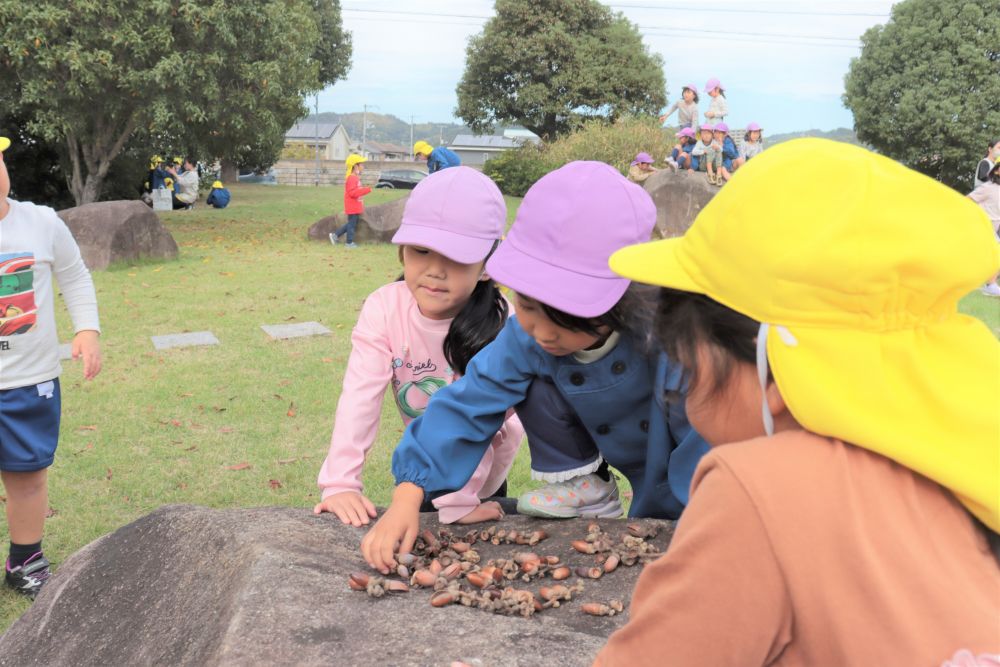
{"x":782,"y":63}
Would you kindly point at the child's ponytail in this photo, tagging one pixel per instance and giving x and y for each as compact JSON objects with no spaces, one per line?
{"x":476,"y":325}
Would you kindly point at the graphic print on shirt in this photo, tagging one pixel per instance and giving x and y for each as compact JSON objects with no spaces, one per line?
{"x":413,"y":392}
{"x":17,"y":294}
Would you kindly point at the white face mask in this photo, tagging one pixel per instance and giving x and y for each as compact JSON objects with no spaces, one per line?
{"x":788,"y":339}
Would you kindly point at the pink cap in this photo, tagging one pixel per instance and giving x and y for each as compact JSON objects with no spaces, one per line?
{"x":707,"y":126}
{"x":569,"y":224}
{"x":721,"y":127}
{"x":686,"y":132}
{"x":457,"y":212}
{"x":753,"y":127}
{"x":690,"y":86}
{"x":712,"y":85}
{"x":642,"y":158}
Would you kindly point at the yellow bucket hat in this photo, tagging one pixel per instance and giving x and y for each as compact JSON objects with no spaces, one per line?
{"x":217,"y":184}
{"x":4,"y":144}
{"x":422,"y":148}
{"x":352,"y":160}
{"x":859,"y":263}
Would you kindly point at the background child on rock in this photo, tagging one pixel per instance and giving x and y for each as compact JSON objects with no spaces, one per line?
{"x":852,"y":413}
{"x":718,"y":109}
{"x":686,"y":107}
{"x":753,"y":144}
{"x":416,"y":335}
{"x":729,"y":153}
{"x":35,"y":247}
{"x":641,"y":168}
{"x":579,"y":337}
{"x":353,"y":206}
{"x":680,"y":156}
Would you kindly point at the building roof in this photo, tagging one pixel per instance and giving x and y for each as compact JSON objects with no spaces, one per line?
{"x":483,"y":141}
{"x":307,"y":130}
{"x":384,"y":147}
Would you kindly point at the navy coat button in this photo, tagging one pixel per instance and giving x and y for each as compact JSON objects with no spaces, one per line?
{"x":603,"y":429}
{"x":618,"y":367}
{"x":576,"y":378}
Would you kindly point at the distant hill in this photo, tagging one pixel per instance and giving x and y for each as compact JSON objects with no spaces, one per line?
{"x":840,"y":134}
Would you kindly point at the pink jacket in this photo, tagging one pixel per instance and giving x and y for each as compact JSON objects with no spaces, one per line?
{"x":394,"y":345}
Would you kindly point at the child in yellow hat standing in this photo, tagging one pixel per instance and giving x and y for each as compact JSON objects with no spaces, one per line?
{"x":846,"y":511}
{"x":353,"y":206}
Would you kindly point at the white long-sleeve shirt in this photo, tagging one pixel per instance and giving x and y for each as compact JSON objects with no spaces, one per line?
{"x":393,"y":345}
{"x":35,"y":246}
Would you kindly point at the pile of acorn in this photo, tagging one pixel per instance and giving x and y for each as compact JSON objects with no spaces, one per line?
{"x":453,"y":569}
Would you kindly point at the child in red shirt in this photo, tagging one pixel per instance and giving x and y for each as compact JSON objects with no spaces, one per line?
{"x":353,"y":206}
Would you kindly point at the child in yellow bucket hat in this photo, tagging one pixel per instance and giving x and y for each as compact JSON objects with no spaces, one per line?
{"x":852,"y":518}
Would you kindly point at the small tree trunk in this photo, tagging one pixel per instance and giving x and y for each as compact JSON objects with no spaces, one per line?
{"x":229,"y":172}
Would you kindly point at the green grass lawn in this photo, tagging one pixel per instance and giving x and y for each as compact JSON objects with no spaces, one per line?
{"x":245,"y":423}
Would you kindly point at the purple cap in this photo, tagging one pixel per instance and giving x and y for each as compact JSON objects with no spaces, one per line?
{"x":712,"y":85}
{"x":686,"y":132}
{"x":457,"y":212}
{"x":721,"y":127}
{"x":569,"y":224}
{"x":706,"y":126}
{"x":642,"y":158}
{"x":753,"y":127}
{"x":690,"y":86}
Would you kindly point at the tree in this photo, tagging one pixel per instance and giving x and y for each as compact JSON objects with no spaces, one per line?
{"x":224,"y":78}
{"x":549,"y":64}
{"x":926,"y":88}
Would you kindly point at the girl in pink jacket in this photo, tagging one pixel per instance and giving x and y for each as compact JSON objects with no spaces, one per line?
{"x":416,"y":335}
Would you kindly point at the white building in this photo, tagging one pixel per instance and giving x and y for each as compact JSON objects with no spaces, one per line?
{"x":334,"y":142}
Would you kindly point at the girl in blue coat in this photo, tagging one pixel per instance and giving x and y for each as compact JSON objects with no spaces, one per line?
{"x":576,"y":331}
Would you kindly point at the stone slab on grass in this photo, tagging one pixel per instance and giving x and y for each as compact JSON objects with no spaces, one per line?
{"x":297,"y":330}
{"x":189,"y":585}
{"x":191,"y":339}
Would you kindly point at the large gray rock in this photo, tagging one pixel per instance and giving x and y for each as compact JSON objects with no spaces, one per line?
{"x":377,"y":225}
{"x":679,"y":197}
{"x":118,"y":231}
{"x":188,"y":585}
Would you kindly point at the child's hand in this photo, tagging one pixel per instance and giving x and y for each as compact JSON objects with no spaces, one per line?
{"x":350,"y":507}
{"x":86,"y":344}
{"x":489,"y":511}
{"x":396,"y":531}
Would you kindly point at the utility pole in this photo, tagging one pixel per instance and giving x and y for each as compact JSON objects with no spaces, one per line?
{"x":440,"y":135}
{"x":364,"y":128}
{"x":411,"y":138}
{"x":317,"y":139}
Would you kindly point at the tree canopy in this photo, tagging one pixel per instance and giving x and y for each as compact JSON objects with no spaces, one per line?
{"x":226,"y":79}
{"x":926,"y":88}
{"x":550,"y":64}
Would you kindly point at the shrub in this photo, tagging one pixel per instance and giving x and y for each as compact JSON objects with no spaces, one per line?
{"x":614,"y":143}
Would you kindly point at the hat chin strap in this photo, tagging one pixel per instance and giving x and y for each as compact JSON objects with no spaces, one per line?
{"x":788,"y":339}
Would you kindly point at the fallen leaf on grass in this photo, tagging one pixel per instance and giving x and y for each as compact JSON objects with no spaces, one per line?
{"x":89,"y":427}
{"x":282,"y":462}
{"x":226,"y":429}
{"x":291,"y":410}
{"x":49,"y":513}
{"x":89,"y":446}
{"x":274,"y":484}
{"x":327,"y":360}
{"x":239,"y":466}
{"x":175,"y":422}
{"x":191,"y":448}
{"x":182,"y":486}
{"x":108,"y":475}
{"x":290,"y":318}
{"x":186,"y":394}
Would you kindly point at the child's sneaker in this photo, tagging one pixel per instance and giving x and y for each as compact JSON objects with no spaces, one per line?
{"x":990,"y":289}
{"x":333,"y":238}
{"x":29,"y":577}
{"x":587,"y":496}
{"x":350,"y":245}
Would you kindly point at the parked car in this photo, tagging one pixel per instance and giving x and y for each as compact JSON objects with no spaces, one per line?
{"x":269,"y":177}
{"x":405,"y":179}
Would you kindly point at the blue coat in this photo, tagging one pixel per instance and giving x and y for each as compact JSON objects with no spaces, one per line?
{"x":218,"y":197}
{"x":616,"y":399}
{"x":442,"y":158}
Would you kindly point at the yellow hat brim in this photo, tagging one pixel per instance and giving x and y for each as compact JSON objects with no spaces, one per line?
{"x":4,"y":144}
{"x":834,"y":380}
{"x":655,"y":263}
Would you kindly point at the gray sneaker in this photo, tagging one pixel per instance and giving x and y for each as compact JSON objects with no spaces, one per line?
{"x":585,"y":496}
{"x":29,"y":577}
{"x":333,"y":238}
{"x":350,"y":245}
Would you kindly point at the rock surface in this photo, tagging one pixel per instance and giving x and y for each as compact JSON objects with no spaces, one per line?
{"x":118,"y":231}
{"x":377,"y":225}
{"x":679,"y":197}
{"x":187,"y":585}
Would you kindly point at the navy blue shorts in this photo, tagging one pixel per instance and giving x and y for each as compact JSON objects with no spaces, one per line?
{"x":29,"y":426}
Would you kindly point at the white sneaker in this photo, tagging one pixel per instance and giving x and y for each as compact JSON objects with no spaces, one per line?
{"x":333,"y":238}
{"x":350,"y":245}
{"x":587,"y":496}
{"x":990,"y":289}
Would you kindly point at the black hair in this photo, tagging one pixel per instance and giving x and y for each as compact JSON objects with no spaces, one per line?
{"x":685,"y":319}
{"x":989,"y":146}
{"x":994,"y":173}
{"x":477,"y":324}
{"x":192,"y":160}
{"x":760,"y":137}
{"x":630,"y":316}
{"x":692,"y":90}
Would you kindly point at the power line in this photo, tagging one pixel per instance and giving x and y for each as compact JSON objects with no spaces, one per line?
{"x":743,"y":11}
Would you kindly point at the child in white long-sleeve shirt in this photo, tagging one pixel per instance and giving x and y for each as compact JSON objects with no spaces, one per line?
{"x":718,"y":108}
{"x":417,"y":334}
{"x":35,"y":247}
